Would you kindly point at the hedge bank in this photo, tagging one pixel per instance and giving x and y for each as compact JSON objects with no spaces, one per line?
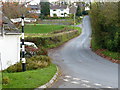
{"x":53,"y":40}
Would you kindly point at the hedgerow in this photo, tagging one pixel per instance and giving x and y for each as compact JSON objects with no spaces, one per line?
{"x":105,"y":25}
{"x":52,"y":40}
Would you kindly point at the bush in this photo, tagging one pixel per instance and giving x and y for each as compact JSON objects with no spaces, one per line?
{"x":84,"y":12}
{"x":5,"y":80}
{"x":105,"y":25}
{"x":32,"y":63}
{"x":14,"y":68}
{"x":42,"y":51}
{"x":36,"y":62}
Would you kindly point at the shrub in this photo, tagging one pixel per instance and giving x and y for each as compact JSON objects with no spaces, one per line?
{"x":32,"y":63}
{"x":42,"y":51}
{"x":36,"y":62}
{"x":14,"y":68}
{"x":5,"y":80}
{"x":30,"y":51}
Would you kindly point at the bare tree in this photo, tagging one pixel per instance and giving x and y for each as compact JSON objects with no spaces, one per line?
{"x":15,"y":10}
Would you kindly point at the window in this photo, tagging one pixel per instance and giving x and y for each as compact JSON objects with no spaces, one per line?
{"x":54,"y":10}
{"x":54,"y":15}
{"x":61,"y":9}
{"x":62,"y":14}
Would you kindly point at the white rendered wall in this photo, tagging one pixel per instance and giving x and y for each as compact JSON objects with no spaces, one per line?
{"x":58,"y":12}
{"x":10,"y":50}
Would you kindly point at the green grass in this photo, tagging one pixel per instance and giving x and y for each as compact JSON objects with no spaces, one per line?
{"x":42,"y":28}
{"x":114,"y":55}
{"x":0,"y":80}
{"x":75,"y":28}
{"x":30,"y":79}
{"x":38,"y":28}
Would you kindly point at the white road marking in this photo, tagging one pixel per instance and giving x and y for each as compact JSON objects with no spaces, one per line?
{"x":109,"y":87}
{"x":97,"y":84}
{"x":74,"y":82}
{"x":86,"y":81}
{"x":66,"y":80}
{"x":76,"y":79}
{"x":86,"y":85}
{"x":68,"y":76}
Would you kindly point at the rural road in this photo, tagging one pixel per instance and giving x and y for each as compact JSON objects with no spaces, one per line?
{"x":80,"y":67}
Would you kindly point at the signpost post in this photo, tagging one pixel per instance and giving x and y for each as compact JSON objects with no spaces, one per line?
{"x":23,"y":46}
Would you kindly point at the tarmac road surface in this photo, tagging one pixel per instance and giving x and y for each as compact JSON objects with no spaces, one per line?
{"x":82,"y":68}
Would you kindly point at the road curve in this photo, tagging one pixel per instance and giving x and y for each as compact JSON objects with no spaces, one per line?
{"x":82,"y":68}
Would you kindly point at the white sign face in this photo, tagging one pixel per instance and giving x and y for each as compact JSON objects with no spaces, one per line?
{"x":25,"y":20}
{"x":16,"y":20}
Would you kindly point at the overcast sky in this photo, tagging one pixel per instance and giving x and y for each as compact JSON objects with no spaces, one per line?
{"x":33,"y":1}
{"x":37,"y":1}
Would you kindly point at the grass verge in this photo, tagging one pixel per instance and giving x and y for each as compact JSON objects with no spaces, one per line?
{"x":30,"y":79}
{"x":113,"y":55}
{"x":0,"y":80}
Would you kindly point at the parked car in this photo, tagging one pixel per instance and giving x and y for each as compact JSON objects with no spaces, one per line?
{"x":30,"y":49}
{"x":29,"y":44}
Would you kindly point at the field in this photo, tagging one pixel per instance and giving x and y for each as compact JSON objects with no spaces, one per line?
{"x":43,"y":28}
{"x":38,"y":28}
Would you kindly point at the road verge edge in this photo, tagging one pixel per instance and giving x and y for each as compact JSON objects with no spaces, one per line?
{"x":48,"y":84}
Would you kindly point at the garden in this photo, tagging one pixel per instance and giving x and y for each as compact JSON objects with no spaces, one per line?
{"x":39,"y":65}
{"x":39,"y":70}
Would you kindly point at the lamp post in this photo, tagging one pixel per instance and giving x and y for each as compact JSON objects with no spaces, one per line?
{"x":23,"y":46}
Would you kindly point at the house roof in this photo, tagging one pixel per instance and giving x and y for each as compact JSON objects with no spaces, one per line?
{"x":9,"y":27}
{"x":58,"y":6}
{"x":34,"y":7}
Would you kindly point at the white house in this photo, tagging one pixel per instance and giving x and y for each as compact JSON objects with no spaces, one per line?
{"x":34,"y":9}
{"x":62,"y":10}
{"x":9,"y":43}
{"x":59,"y":10}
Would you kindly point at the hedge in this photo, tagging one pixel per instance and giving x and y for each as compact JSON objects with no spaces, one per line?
{"x":53,"y":40}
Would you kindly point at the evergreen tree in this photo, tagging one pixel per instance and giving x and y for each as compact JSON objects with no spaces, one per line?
{"x":78,"y":12}
{"x":45,"y":8}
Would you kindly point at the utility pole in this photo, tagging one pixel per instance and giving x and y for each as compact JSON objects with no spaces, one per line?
{"x":74,"y":18}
